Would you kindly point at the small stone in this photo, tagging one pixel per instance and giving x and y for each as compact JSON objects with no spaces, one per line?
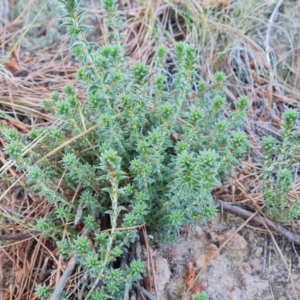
{"x":237,"y":244}
{"x":200,"y":235}
{"x":163,"y":273}
{"x":201,"y":261}
{"x":259,"y":251}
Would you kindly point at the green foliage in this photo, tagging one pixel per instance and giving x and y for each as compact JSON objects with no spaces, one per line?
{"x":201,"y":296}
{"x":137,"y":149}
{"x":278,"y":160}
{"x":43,"y":292}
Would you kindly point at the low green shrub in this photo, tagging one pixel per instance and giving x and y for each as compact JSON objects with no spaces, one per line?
{"x":201,"y":296}
{"x":278,"y":161}
{"x":141,"y":148}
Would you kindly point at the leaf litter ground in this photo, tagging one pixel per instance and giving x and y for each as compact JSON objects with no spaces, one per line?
{"x":250,"y":263}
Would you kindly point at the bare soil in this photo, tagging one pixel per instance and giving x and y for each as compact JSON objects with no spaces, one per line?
{"x":251,"y":266}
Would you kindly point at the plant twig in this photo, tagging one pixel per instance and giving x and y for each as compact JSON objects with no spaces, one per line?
{"x":67,"y":273}
{"x":268,"y":50}
{"x":265,"y":253}
{"x":150,"y":258}
{"x":64,"y":278}
{"x":144,"y":291}
{"x":18,"y":237}
{"x":258,"y":219}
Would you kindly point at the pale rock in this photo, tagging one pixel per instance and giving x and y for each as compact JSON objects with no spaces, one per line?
{"x":162,"y":273}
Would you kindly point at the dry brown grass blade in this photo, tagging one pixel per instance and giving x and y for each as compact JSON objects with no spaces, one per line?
{"x":40,"y":76}
{"x":27,"y":258}
{"x":270,"y":225}
{"x":268,"y":49}
{"x":1,"y":276}
{"x":150,"y":265}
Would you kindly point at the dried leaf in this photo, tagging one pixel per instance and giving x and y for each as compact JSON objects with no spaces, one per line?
{"x":174,"y":137}
{"x":19,"y":275}
{"x":190,"y":276}
{"x":12,"y":64}
{"x":199,"y":287}
{"x":43,"y":85}
{"x":239,"y":197}
{"x":212,"y":251}
{"x":259,"y":79}
{"x":218,"y":191}
{"x":6,"y":296}
{"x":277,"y":120}
{"x":79,"y":227}
{"x":241,"y":176}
